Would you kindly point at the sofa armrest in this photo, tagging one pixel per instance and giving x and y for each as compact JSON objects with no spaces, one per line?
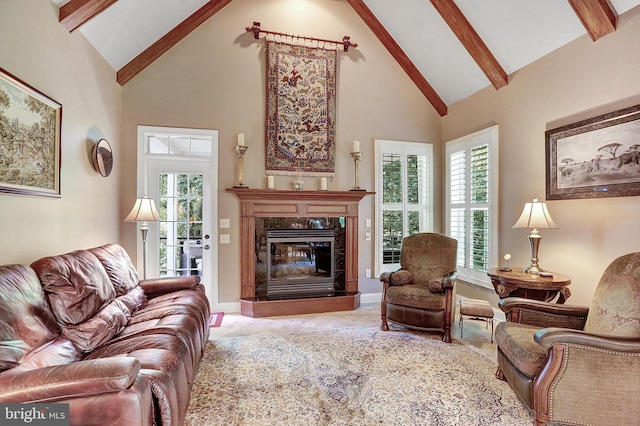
{"x":156,"y":286}
{"x":398,"y":277}
{"x":593,"y":372}
{"x":69,"y":380}
{"x":449,"y":280}
{"x":543,"y":314}
{"x":548,"y":337}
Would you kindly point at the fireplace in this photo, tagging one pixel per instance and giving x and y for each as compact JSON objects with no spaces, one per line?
{"x":298,"y":210}
{"x":299,"y":257}
{"x":300,"y":263}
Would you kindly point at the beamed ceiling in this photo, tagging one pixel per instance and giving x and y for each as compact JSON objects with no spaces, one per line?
{"x":450,"y":49}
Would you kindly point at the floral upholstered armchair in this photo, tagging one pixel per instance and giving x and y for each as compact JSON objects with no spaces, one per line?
{"x":421,"y":294}
{"x":577,"y":364}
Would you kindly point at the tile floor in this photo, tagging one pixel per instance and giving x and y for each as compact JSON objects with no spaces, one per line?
{"x":475,"y":332}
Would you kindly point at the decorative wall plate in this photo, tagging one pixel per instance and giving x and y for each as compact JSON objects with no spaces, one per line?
{"x":103,"y":157}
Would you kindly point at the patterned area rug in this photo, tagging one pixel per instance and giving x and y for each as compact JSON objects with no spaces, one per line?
{"x":349,"y":376}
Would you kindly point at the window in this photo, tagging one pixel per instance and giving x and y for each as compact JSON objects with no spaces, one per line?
{"x":404,"y":187}
{"x":472,"y":202}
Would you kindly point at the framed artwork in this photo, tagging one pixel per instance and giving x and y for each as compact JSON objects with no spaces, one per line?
{"x":595,"y":158}
{"x":29,"y":139}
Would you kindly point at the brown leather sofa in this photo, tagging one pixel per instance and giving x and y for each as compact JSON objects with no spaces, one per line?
{"x":81,"y":328}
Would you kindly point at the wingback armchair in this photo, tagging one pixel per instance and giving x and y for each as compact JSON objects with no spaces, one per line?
{"x":421,"y":293}
{"x":577,"y":364}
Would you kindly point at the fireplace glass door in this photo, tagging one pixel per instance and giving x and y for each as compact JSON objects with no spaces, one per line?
{"x":300,"y":262}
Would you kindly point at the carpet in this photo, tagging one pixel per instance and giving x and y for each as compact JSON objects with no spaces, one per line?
{"x":216,"y":319}
{"x":349,"y":376}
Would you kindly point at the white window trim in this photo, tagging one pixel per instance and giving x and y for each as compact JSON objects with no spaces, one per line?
{"x":387,"y":146}
{"x":487,"y":136}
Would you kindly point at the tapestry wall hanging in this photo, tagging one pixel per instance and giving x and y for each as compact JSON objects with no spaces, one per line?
{"x":301,"y":110}
{"x":29,"y":139}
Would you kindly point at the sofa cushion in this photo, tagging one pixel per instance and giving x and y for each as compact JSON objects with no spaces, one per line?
{"x":98,"y":329}
{"x":415,"y":296}
{"x":56,"y":352}
{"x":26,"y":321}
{"x":119,"y":267}
{"x":516,"y":342}
{"x":76,"y":284}
{"x":615,"y":307}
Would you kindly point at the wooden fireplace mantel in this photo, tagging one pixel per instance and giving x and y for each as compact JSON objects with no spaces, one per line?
{"x":297,"y":203}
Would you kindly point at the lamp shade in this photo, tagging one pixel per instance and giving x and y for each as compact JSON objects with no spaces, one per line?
{"x":144,"y":210}
{"x":535,"y":216}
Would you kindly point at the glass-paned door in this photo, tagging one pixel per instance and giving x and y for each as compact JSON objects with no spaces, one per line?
{"x":181,"y":239}
{"x":180,"y":175}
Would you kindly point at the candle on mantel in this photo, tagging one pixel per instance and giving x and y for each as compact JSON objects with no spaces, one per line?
{"x":240,"y":139}
{"x":270,"y":184}
{"x":323,"y":184}
{"x":356,"y":146}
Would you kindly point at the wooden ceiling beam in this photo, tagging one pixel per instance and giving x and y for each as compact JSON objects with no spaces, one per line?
{"x":471,"y":41}
{"x":157,"y":49}
{"x":597,"y":16}
{"x":398,"y":54}
{"x":75,"y":13}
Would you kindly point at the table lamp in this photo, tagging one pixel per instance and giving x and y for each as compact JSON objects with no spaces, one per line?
{"x":144,"y":210}
{"x":535,"y":216}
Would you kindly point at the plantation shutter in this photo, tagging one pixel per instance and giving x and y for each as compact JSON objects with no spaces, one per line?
{"x":471,"y":203}
{"x":404,"y":197}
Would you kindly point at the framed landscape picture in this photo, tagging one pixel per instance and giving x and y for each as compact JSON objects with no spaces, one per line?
{"x":29,"y":139}
{"x":597,"y":157}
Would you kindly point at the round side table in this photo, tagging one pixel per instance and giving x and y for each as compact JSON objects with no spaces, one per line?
{"x":517,"y":283}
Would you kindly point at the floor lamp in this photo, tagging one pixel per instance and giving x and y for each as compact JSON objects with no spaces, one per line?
{"x":535,"y":216}
{"x":144,"y":210}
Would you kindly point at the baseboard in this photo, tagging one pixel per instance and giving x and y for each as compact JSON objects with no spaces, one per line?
{"x":369,"y":298}
{"x":227,"y":307}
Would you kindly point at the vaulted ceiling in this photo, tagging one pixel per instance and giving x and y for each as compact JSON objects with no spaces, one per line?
{"x":450,"y":49}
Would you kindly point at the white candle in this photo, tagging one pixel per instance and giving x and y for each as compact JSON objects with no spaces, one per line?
{"x":240,"y":139}
{"x":323,"y":184}
{"x":270,"y":184}
{"x":356,"y":146}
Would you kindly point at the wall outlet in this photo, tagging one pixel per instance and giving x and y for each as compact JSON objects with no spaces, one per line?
{"x":225,"y":223}
{"x":367,"y":273}
{"x":225,"y":239}
{"x":367,"y":236}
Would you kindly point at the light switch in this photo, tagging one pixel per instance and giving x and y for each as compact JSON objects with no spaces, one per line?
{"x":225,"y":223}
{"x":225,"y":239}
{"x":367,"y":223}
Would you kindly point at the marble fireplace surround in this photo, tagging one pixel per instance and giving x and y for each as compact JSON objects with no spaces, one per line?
{"x":255,"y":203}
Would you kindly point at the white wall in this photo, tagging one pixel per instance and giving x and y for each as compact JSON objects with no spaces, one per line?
{"x":578,"y":81}
{"x":38,"y":50}
{"x":215,"y":78}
